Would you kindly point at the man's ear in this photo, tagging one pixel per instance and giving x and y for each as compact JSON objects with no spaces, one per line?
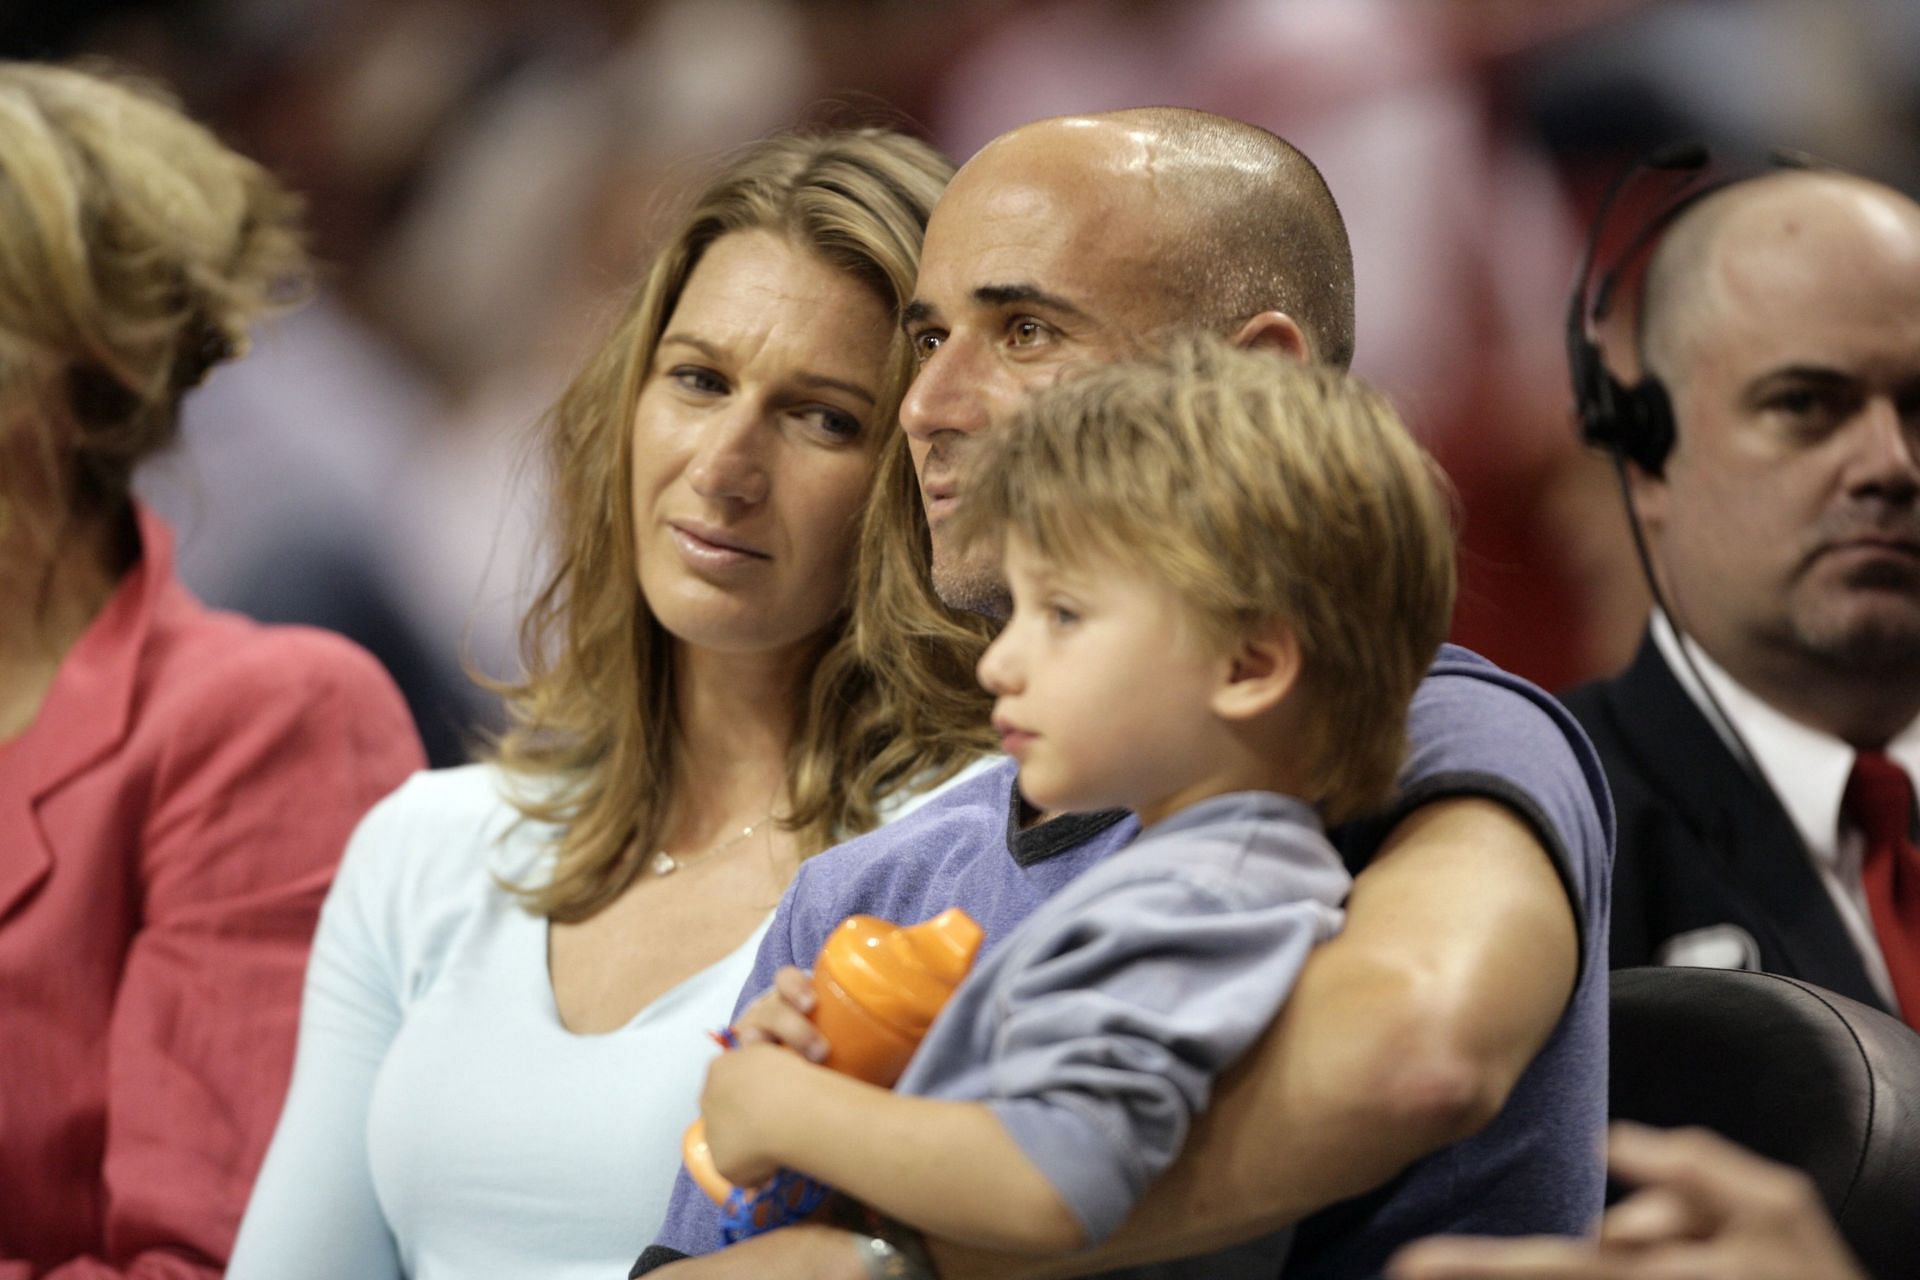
{"x":1275,"y":331}
{"x":1648,"y":494}
{"x":1262,"y":668}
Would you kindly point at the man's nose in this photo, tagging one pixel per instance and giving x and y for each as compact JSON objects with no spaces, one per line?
{"x":728,"y":463}
{"x":947,"y":394}
{"x":1888,"y":457}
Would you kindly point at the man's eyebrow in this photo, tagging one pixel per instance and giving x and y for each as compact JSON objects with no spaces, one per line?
{"x":915,"y":312}
{"x":1790,"y":374}
{"x":996,"y":295}
{"x":804,"y":377}
{"x":1805,"y":372}
{"x":1001,"y":295}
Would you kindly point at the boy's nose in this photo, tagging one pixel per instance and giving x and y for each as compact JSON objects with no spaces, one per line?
{"x":997,"y":668}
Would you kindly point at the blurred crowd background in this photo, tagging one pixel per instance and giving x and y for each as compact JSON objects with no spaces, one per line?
{"x":485,"y":176}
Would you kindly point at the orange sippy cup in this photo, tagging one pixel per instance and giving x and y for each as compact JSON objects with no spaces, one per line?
{"x":877,"y":988}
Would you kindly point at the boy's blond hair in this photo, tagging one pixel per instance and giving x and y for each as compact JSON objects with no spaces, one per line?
{"x":1258,"y":489}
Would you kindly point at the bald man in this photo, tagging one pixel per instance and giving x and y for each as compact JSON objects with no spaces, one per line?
{"x":1782,"y":315}
{"x":1454,"y":1033}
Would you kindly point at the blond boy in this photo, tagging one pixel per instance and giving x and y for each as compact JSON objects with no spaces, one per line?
{"x":1229,"y":574}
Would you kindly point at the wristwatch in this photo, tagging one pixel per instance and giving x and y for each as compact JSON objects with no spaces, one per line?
{"x":889,"y":1250}
{"x":885,"y":1260}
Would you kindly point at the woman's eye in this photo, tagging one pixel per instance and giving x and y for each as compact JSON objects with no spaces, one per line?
{"x":1060,"y":616}
{"x":702,"y":381}
{"x":836,"y":423}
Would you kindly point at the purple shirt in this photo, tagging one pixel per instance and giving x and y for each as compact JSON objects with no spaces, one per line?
{"x":1475,"y":730}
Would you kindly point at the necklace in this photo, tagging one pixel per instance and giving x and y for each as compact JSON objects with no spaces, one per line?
{"x":663,"y":863}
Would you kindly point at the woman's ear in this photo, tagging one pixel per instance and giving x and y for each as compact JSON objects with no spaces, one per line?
{"x":1275,"y":331}
{"x":1262,"y":668}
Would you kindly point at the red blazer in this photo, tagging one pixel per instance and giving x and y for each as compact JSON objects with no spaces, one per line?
{"x":169,"y":824}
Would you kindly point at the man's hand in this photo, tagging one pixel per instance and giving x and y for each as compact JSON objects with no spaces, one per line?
{"x":780,"y":1017}
{"x":1706,"y":1209}
{"x":749,"y":1092}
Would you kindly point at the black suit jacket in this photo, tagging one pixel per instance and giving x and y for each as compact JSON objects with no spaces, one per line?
{"x":1701,"y":841}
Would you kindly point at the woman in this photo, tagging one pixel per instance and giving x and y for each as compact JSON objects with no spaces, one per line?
{"x":175,"y":785}
{"x":504,"y":1029}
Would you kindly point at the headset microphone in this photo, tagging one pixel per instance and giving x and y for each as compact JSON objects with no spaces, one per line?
{"x":1633,"y":423}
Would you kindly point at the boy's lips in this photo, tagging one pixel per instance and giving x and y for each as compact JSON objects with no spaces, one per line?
{"x":1013,"y":739}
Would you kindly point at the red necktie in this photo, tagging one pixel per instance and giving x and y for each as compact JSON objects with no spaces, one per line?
{"x":1879,"y":799}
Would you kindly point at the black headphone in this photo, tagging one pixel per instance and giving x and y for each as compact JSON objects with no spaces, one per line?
{"x":1635,"y":423}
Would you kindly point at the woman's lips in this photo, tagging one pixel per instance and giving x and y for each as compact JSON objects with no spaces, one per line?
{"x":710,"y":548}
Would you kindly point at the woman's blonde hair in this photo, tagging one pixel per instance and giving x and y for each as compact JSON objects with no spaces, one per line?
{"x":135,"y":251}
{"x":892,"y":700}
{"x":1257,"y":489}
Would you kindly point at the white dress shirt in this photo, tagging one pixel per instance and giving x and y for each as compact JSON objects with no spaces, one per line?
{"x":1808,"y":771}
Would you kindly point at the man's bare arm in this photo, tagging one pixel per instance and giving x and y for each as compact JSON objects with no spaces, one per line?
{"x":1406,"y":1033}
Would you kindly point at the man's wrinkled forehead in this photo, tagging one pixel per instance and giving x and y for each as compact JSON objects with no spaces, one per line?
{"x":1094,"y":160}
{"x":1057,"y":218}
{"x":1781,"y":260}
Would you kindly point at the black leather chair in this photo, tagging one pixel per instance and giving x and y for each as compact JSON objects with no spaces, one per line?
{"x":1796,"y":1073}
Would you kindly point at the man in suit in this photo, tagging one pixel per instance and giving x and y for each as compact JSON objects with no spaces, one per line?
{"x":1760,"y":765}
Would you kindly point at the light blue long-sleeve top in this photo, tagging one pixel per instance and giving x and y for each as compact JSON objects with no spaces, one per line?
{"x":442,"y":1122}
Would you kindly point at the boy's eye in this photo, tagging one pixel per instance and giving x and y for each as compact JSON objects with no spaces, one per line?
{"x":925,"y":343}
{"x":1060,"y":615}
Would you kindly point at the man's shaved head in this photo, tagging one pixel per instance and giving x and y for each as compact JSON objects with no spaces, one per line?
{"x":1251,"y":227}
{"x":1703,"y":262}
{"x":1082,"y":240}
{"x":1239,"y":220}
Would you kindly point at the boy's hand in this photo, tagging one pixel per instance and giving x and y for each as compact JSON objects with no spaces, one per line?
{"x":750,"y":1091}
{"x":780,"y":1017}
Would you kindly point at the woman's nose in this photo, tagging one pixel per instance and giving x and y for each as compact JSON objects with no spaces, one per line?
{"x":729,"y":463}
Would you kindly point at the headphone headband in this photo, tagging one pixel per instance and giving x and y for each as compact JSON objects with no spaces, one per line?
{"x":1635,"y":423}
